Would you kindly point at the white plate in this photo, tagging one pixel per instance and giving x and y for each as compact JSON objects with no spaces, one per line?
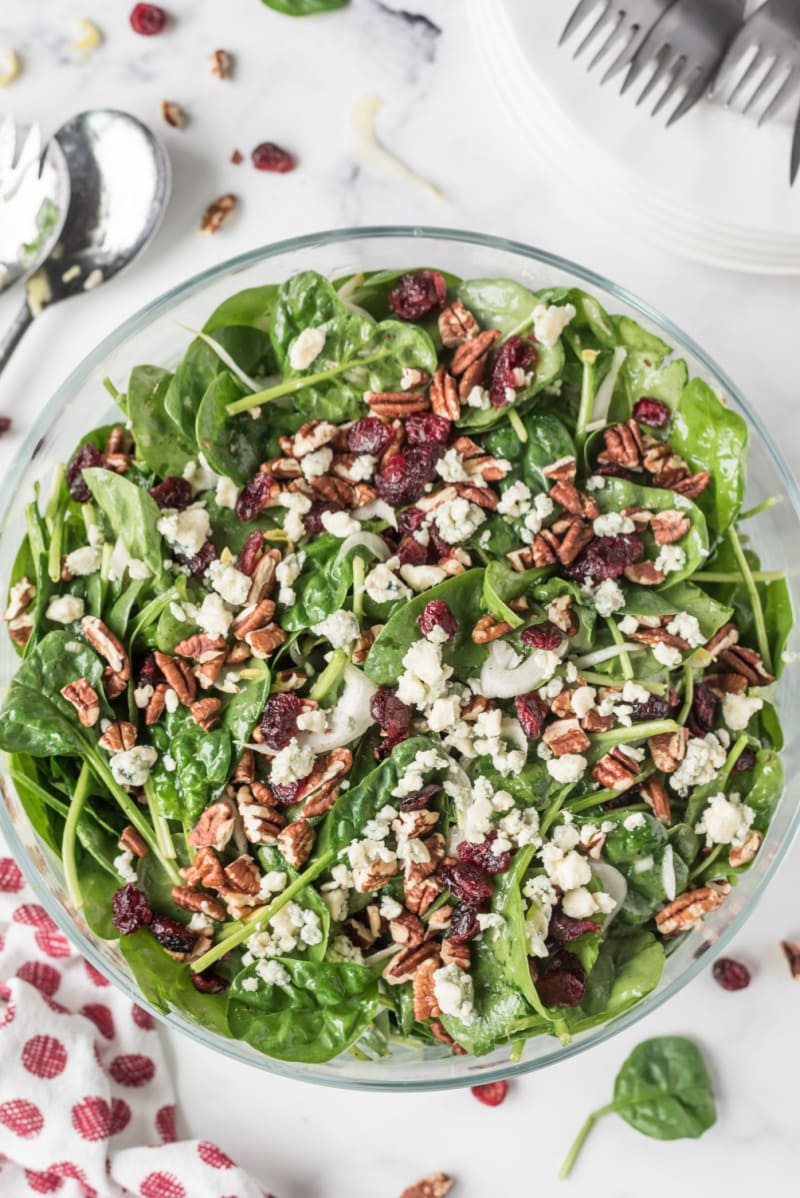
{"x":713,"y":187}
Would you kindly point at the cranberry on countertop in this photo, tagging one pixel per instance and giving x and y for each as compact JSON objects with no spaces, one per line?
{"x":491,"y":1093}
{"x":148,"y":19}
{"x":269,"y":157}
{"x":731,"y":975}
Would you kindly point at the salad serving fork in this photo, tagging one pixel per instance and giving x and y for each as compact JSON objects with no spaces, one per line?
{"x":624,"y":26}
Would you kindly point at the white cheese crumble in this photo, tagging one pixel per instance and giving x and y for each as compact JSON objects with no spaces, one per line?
{"x":287,"y":571}
{"x":479,"y":398}
{"x":451,"y":467}
{"x":612,"y":524}
{"x":132,"y":766}
{"x":424,"y":677}
{"x":306,"y":348}
{"x":454,"y":992}
{"x":725,"y":820}
{"x":581,"y":903}
{"x":457,"y":519}
{"x":515,"y":500}
{"x":227,"y":493}
{"x":383,"y":586}
{"x":738,"y":711}
{"x":340,"y":524}
{"x":390,"y":908}
{"x":413,"y":779}
{"x":340,"y":629}
{"x":628,"y":624}
{"x":213,"y":616}
{"x":688,"y":628}
{"x":292,"y":764}
{"x":542,"y":508}
{"x":314,"y":720}
{"x":272,"y":973}
{"x":704,"y":759}
{"x":64,"y":609}
{"x":296,"y":505}
{"x":123,"y":864}
{"x":85,"y":560}
{"x":569,"y":768}
{"x":232,"y":584}
{"x":550,"y":320}
{"x":583,"y":701}
{"x":315,"y":464}
{"x":608,"y":598}
{"x":199,"y":475}
{"x":186,"y":532}
{"x":567,"y":870}
{"x":634,"y":821}
{"x":421,"y":578}
{"x":670,"y":559}
{"x":666,"y":655}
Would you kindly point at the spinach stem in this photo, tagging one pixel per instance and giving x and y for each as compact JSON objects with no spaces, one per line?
{"x":89,"y":516}
{"x":688,"y":693}
{"x":723,"y":576}
{"x":706,"y":862}
{"x":587,"y":400}
{"x":554,"y":808}
{"x":160,"y":825}
{"x":252,"y":922}
{"x":586,"y":802}
{"x":359,"y":574}
{"x":620,"y":736}
{"x":595,"y":679}
{"x":55,"y":500}
{"x":764,"y":506}
{"x":291,"y":386}
{"x":515,"y":420}
{"x":133,"y":814}
{"x":70,"y":833}
{"x":580,"y":1139}
{"x":738,"y":748}
{"x":517,"y":1050}
{"x":618,"y":639}
{"x":56,"y":542}
{"x":33,"y":520}
{"x":755,"y":599}
{"x":329,"y":675}
{"x":110,"y":388}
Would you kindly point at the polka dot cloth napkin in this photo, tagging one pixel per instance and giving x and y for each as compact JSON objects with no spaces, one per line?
{"x":86,"y":1104}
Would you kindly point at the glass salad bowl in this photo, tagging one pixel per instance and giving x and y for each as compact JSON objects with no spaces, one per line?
{"x":157,"y":334}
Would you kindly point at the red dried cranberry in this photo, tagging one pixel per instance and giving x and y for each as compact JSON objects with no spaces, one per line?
{"x":149,"y":673}
{"x":173,"y":936}
{"x":673,"y":698}
{"x":439,"y":548}
{"x":411,"y":553}
{"x":468,"y":883}
{"x":434,"y":616}
{"x":703,"y":710}
{"x":730,"y":974}
{"x":369,"y":435}
{"x":5,"y":425}
{"x":173,"y":492}
{"x":385,"y":747}
{"x":255,"y":496}
{"x":148,"y":19}
{"x":417,"y":294}
{"x":421,"y":798}
{"x":248,"y":554}
{"x":279,"y":721}
{"x":130,"y":910}
{"x":651,"y":412}
{"x":625,"y":800}
{"x":313,"y":517}
{"x":531,"y":713}
{"x":393,"y":715}
{"x":198,"y":564}
{"x":405,"y":476}
{"x":606,"y":557}
{"x":655,"y":708}
{"x":745,"y":762}
{"x":269,"y":157}
{"x":483,"y":856}
{"x":565,"y":929}
{"x":613,"y":470}
{"x":543,"y":636}
{"x":425,"y":428}
{"x":464,"y":924}
{"x":88,"y":455}
{"x":410,"y":520}
{"x":562,"y":982}
{"x":284,"y":793}
{"x":514,"y":354}
{"x":209,"y":982}
{"x":491,"y":1093}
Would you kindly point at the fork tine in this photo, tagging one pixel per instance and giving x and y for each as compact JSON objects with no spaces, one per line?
{"x":647,"y":51}
{"x":579,"y":15}
{"x":602,"y":22}
{"x":795,"y":161}
{"x":608,"y":43}
{"x":779,"y":96}
{"x":763,"y":86}
{"x":663,"y":63}
{"x":733,"y":56}
{"x":671,"y":88}
{"x":626,"y":54}
{"x":694,"y":92}
{"x":756,"y":62}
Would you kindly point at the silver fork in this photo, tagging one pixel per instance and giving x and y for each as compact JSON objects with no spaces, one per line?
{"x":687,"y":43}
{"x":772,"y":37}
{"x":625,"y":23}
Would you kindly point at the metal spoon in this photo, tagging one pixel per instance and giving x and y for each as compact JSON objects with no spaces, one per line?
{"x":120,"y":181}
{"x":34,"y":198}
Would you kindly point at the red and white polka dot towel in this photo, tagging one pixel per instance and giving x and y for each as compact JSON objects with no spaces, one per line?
{"x":86,"y":1104}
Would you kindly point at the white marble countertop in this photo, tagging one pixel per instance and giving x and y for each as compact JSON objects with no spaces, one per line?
{"x":295,"y":83}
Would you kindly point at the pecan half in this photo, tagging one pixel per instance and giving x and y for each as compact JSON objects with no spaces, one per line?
{"x":264,"y":641}
{"x":364,"y":643}
{"x":410,"y":825}
{"x":320,"y":787}
{"x":417,"y":871}
{"x":644,"y":574}
{"x":205,"y":713}
{"x":407,"y":929}
{"x":84,"y":698}
{"x":263,"y":576}
{"x":654,"y":793}
{"x":205,"y":870}
{"x":220,"y":64}
{"x":724,"y":638}
{"x":20,"y":598}
{"x":257,"y":616}
{"x":405,"y":964}
{"x":20,"y":628}
{"x":420,"y":895}
{"x":566,"y":736}
{"x":623,"y":445}
{"x":131,"y":841}
{"x":179,"y":676}
{"x":489,"y":629}
{"x":261,"y":822}
{"x":242,"y":875}
{"x":485,"y":467}
{"x":574,"y":501}
{"x":443,"y":395}
{"x":457,"y":325}
{"x":740,"y":854}
{"x":687,"y":910}
{"x":215,"y":826}
{"x":616,"y":770}
{"x":173,"y":114}
{"x":218,"y":212}
{"x":201,"y":647}
{"x":365,"y":928}
{"x":156,"y":703}
{"x":107,"y":645}
{"x":563,"y":470}
{"x":594,"y":722}
{"x":472,"y":350}
{"x":426,"y":1005}
{"x":668,"y":749}
{"x":522,"y":559}
{"x":573,"y":542}
{"x":473,"y":376}
{"x":191,"y":899}
{"x":367,"y":878}
{"x":296,"y":842}
{"x":118,"y":736}
{"x":483,"y":497}
{"x":435,"y":1185}
{"x":245,"y":767}
{"x":669,"y":526}
{"x":391,"y":405}
{"x":560,"y":611}
{"x":740,"y":660}
{"x":791,"y":952}
{"x":692,"y":487}
{"x":659,"y":636}
{"x":309,"y":437}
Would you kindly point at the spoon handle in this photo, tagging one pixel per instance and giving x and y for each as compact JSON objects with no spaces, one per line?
{"x":13,"y":337}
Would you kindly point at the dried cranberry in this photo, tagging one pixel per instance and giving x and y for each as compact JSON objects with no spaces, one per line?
{"x":130,"y":910}
{"x":279,"y":721}
{"x":410,"y":520}
{"x":385,"y":747}
{"x":149,"y":672}
{"x":209,"y":982}
{"x":491,"y":1093}
{"x":673,"y":698}
{"x":424,"y":428}
{"x":248,"y":554}
{"x":513,"y":355}
{"x":565,"y":929}
{"x":730,"y":974}
{"x":255,"y":496}
{"x":404,"y":477}
{"x":464,"y":924}
{"x":439,"y":548}
{"x":5,"y":425}
{"x":483,"y":855}
{"x":623,"y":800}
{"x":269,"y":157}
{"x":173,"y":936}
{"x":745,"y":762}
{"x":468,"y":883}
{"x":284,"y":793}
{"x":369,"y":435}
{"x":148,"y":19}
{"x":421,"y":798}
{"x":198,"y":564}
{"x":606,"y":557}
{"x":703,"y":710}
{"x":531,"y":712}
{"x":89,"y":455}
{"x":435,"y":616}
{"x":173,"y":492}
{"x":417,"y":294}
{"x":411,"y":553}
{"x":562,"y":981}
{"x":543,"y":636}
{"x":655,"y":708}
{"x":393,"y":715}
{"x":651,"y":412}
{"x":613,"y":470}
{"x":313,"y":517}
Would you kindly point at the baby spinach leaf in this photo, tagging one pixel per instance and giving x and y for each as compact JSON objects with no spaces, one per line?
{"x":764,"y":789}
{"x":510,"y":943}
{"x":709,"y":436}
{"x":41,"y":808}
{"x":681,"y":597}
{"x":644,"y":374}
{"x":250,"y":308}
{"x":157,"y":441}
{"x":779,"y":618}
{"x":662,"y":1090}
{"x":244,"y":710}
{"x":318,"y":1013}
{"x":201,"y":760}
{"x":499,"y":304}
{"x":548,"y":440}
{"x":131,"y":512}
{"x":618,"y":494}
{"x":168,"y":986}
{"x":324,"y":583}
{"x":500,"y":1008}
{"x":233,"y":446}
{"x":248,"y":347}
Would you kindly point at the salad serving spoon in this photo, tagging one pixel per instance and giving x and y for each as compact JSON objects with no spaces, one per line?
{"x":120,"y":181}
{"x":34,"y":197}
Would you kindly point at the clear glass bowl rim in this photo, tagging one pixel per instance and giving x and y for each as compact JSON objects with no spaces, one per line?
{"x":139,"y":321}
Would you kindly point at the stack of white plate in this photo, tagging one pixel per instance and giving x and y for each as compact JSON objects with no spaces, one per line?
{"x":714,"y":187}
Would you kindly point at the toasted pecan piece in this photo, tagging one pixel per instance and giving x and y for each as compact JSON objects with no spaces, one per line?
{"x":318,"y":790}
{"x":84,"y":698}
{"x":296,"y":841}
{"x":669,"y":526}
{"x":443,"y":395}
{"x":687,"y":910}
{"x":472,"y":350}
{"x":109,"y":646}
{"x":654,"y":793}
{"x":616,"y":770}
{"x":740,"y":854}
{"x":215,"y":826}
{"x":668,"y":749}
{"x":565,"y":736}
{"x":118,"y":736}
{"x":644,"y":574}
{"x":191,"y":899}
{"x":489,"y":629}
{"x":405,"y":964}
{"x":435,"y":1185}
{"x":205,"y":870}
{"x":393,"y":405}
{"x":791,"y":952}
{"x":242,"y":875}
{"x":206,"y":712}
{"x":423,"y":988}
{"x":457,"y":325}
{"x":133,"y":842}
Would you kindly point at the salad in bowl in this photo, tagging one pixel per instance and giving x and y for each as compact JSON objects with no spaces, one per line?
{"x":394,"y":671}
